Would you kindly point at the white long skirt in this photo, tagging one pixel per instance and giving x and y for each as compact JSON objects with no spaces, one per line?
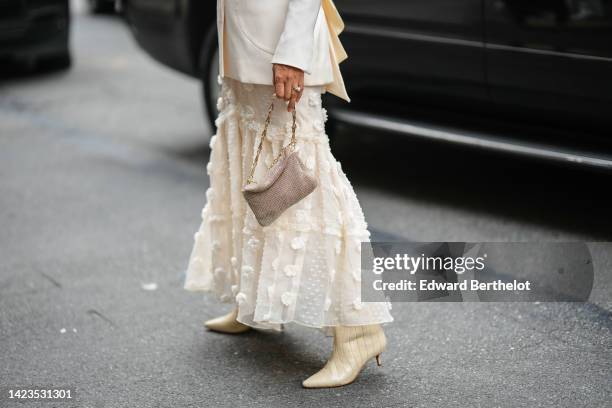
{"x":306,"y":266}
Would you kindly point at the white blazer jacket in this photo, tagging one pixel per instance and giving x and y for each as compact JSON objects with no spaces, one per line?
{"x":254,"y":34}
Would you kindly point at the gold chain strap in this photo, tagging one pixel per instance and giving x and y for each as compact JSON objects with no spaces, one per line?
{"x":291,"y":144}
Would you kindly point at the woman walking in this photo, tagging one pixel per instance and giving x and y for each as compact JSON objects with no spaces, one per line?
{"x":305,"y":266}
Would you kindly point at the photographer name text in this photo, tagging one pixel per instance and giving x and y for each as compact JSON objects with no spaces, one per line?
{"x":432,"y":285}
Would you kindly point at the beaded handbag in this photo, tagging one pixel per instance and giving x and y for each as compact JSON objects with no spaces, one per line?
{"x":286,"y":183}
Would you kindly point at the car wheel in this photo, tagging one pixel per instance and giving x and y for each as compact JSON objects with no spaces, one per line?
{"x":209,"y":74}
{"x":55,"y":62}
{"x":101,"y":6}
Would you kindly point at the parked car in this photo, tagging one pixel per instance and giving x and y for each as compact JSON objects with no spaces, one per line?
{"x":525,"y":77}
{"x":35,"y":31}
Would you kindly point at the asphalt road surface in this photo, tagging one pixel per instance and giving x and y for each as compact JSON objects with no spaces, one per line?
{"x":102,"y":182}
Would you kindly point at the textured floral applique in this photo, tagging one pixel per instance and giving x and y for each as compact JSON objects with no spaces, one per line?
{"x":210,"y":193}
{"x":253,"y":127}
{"x":253,"y":242}
{"x":290,"y":270}
{"x":241,"y":298}
{"x":197,"y":262}
{"x":228,"y":93}
{"x":297,"y":243}
{"x":220,"y":103}
{"x":324,"y":114}
{"x":234,"y":261}
{"x":217,"y":217}
{"x":318,"y":125}
{"x":247,"y":269}
{"x":288,"y":127}
{"x":275,"y":263}
{"x":219,"y":120}
{"x":310,"y":162}
{"x":325,"y":165}
{"x":247,"y":112}
{"x":219,"y":272}
{"x":271,"y":289}
{"x":287,"y":298}
{"x":213,"y":140}
{"x":301,"y":216}
{"x":338,"y":247}
{"x":313,"y":100}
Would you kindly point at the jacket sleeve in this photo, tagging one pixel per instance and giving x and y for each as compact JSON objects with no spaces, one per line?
{"x":295,"y":46}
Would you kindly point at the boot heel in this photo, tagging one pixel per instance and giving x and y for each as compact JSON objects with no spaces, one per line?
{"x":378,"y":360}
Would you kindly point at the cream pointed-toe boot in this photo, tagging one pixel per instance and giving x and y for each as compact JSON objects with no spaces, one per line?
{"x":227,"y":324}
{"x":354,"y":346}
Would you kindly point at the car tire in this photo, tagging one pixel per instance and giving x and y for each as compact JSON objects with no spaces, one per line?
{"x":101,"y":6}
{"x":56,"y":62}
{"x":209,"y":73}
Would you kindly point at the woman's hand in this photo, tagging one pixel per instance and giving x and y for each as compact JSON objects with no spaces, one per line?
{"x":286,"y":80}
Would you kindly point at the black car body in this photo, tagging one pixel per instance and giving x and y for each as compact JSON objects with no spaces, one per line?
{"x":35,"y":30}
{"x":521,"y":76}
